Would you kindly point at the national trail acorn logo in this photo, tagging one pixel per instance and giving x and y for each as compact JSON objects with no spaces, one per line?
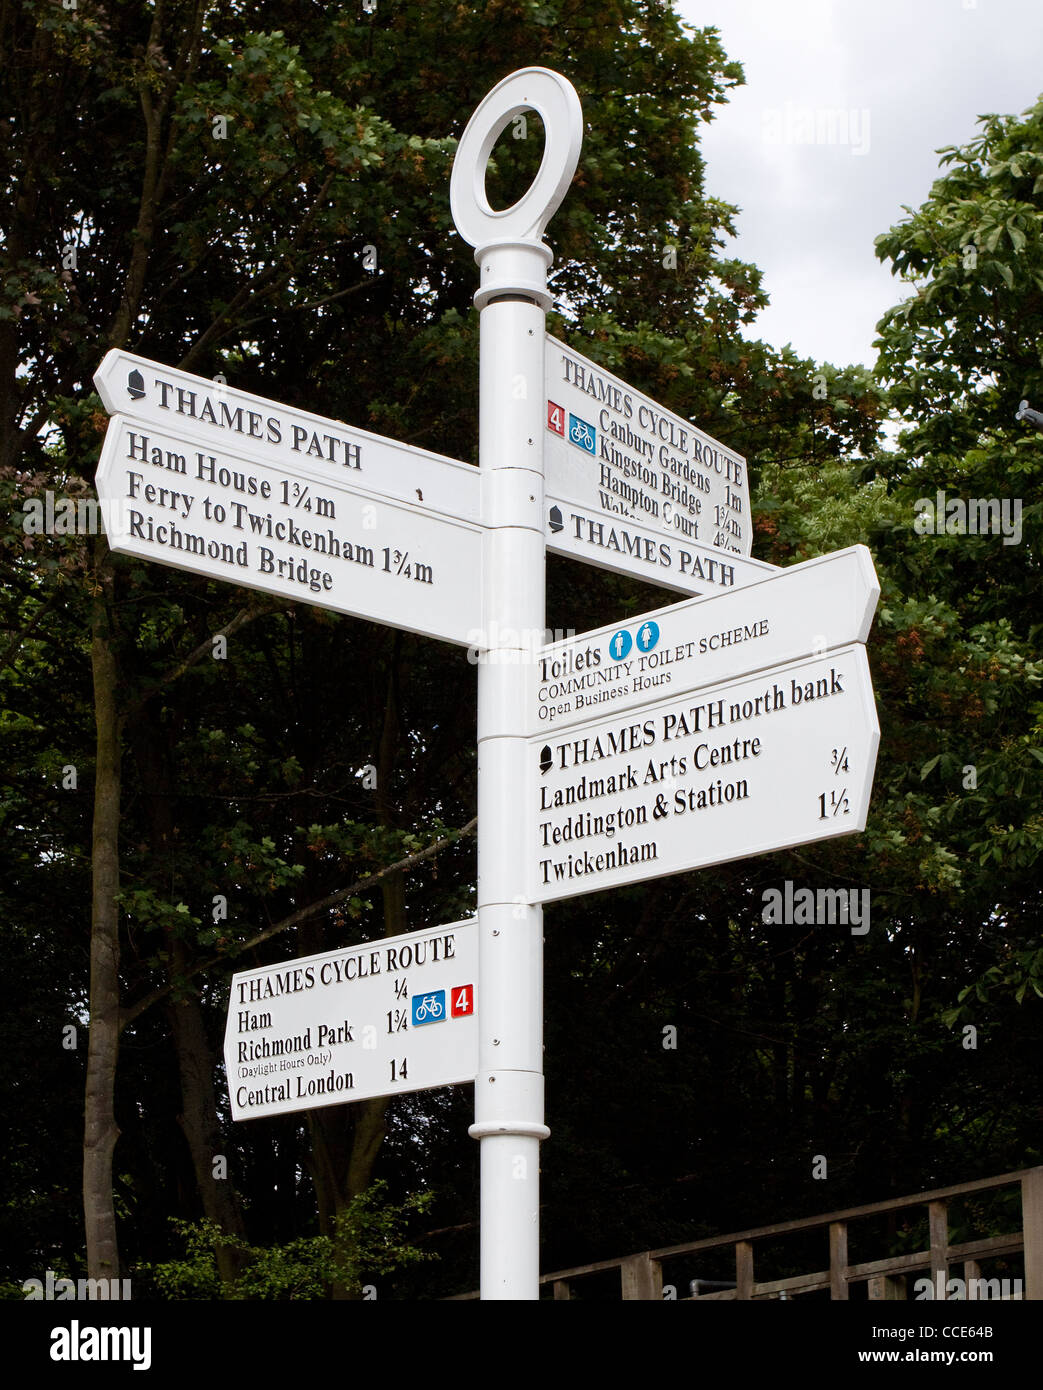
{"x":135,"y":385}
{"x":546,"y":758}
{"x":556,"y":522}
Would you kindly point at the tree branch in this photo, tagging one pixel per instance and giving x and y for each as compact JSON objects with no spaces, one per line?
{"x":244,"y":616}
{"x":301,"y":915}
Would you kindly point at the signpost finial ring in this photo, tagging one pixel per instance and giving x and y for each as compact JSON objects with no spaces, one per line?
{"x":554,"y":99}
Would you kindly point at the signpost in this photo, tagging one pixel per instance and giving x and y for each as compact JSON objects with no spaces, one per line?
{"x":738,"y":722}
{"x":398,"y":1014}
{"x":781,"y":758}
{"x":221,"y":511}
{"x":805,"y":610}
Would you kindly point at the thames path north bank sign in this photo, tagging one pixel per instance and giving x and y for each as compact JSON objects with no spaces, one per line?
{"x":762,"y":763}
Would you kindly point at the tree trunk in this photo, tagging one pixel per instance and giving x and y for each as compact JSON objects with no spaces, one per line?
{"x":195,"y":1059}
{"x":100,"y":1130}
{"x":198,"y":1121}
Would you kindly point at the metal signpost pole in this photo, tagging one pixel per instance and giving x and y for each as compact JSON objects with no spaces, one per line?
{"x":512,"y":300}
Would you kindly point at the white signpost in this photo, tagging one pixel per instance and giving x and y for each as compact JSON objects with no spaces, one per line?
{"x":773,"y":760}
{"x":805,"y":610}
{"x":220,"y":511}
{"x":398,"y":1014}
{"x":738,"y":722}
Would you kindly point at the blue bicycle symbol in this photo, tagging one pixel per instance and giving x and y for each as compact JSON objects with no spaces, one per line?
{"x":428,"y":1008}
{"x":581,"y":433}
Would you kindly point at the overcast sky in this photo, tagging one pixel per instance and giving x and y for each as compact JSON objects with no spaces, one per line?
{"x":910,"y":76}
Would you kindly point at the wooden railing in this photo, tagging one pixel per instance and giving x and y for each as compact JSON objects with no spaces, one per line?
{"x":641,"y":1276}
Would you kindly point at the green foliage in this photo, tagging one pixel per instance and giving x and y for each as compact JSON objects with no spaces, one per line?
{"x":964,"y":348}
{"x":368,"y":1242}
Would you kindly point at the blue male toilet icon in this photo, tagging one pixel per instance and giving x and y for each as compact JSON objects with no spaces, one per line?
{"x":619,"y":644}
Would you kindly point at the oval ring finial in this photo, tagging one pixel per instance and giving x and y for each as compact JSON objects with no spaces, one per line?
{"x":554,"y":99}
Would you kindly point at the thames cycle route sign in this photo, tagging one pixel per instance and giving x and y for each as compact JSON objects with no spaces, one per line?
{"x":634,"y":488}
{"x":398,"y":1014}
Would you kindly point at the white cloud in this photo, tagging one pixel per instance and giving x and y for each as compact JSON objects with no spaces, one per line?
{"x":923,"y":70}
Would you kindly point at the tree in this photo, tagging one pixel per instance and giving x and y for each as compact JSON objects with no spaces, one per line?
{"x":215,"y":208}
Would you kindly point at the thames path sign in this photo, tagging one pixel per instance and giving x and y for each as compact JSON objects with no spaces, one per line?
{"x":218,"y":416}
{"x":773,"y":760}
{"x":630,"y":546}
{"x":236,"y":487}
{"x":398,"y":1014}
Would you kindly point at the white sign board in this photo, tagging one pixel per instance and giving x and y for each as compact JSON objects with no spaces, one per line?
{"x":782,"y":758}
{"x":303,"y":534}
{"x":397,"y":1014}
{"x":611,"y":449}
{"x":220,"y":419}
{"x":626,"y":546}
{"x":805,"y":610}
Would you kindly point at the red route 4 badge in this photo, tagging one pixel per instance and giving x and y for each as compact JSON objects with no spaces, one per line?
{"x":461,"y":1001}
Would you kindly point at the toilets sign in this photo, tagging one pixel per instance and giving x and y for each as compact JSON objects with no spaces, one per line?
{"x":805,"y":610}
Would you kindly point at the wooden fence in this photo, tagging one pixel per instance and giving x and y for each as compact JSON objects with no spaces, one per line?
{"x":657,"y":1274}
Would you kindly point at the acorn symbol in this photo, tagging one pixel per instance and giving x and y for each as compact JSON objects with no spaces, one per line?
{"x":135,"y":385}
{"x":556,"y":523}
{"x":545,"y":758}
